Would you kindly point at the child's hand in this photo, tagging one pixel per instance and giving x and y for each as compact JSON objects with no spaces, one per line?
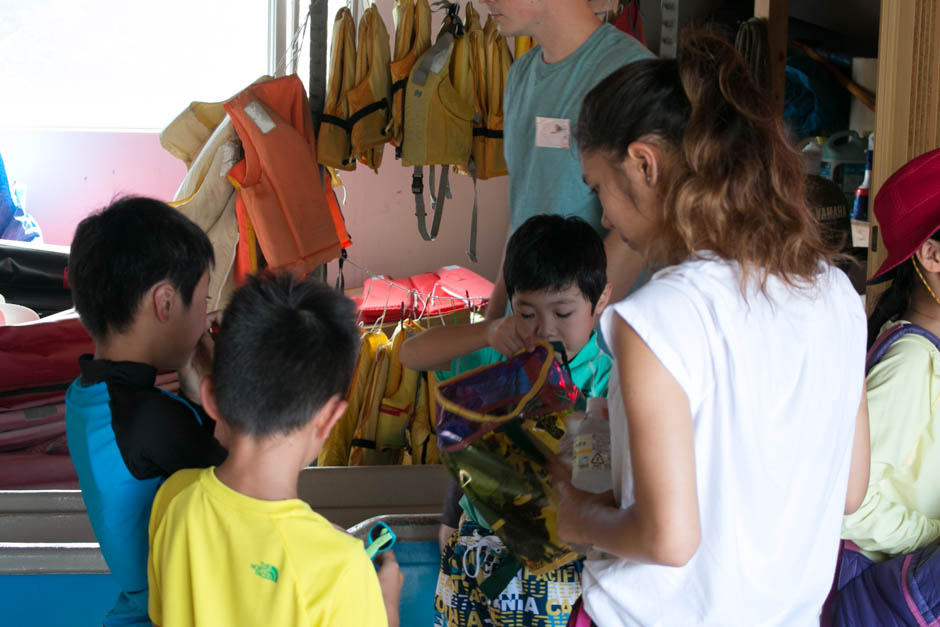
{"x":200,"y":362}
{"x":511,"y":334}
{"x":390,"y":581}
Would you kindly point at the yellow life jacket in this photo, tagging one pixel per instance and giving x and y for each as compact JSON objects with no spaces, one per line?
{"x":438,"y":122}
{"x":334,"y":146}
{"x":421,"y":435}
{"x":438,"y":119}
{"x":369,"y":99}
{"x":362,"y":451}
{"x":336,"y":448}
{"x":496,"y":51}
{"x":477,"y":64}
{"x":522,"y":44}
{"x":412,"y":39}
{"x":397,"y":408}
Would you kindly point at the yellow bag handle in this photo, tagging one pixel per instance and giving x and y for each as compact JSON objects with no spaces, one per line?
{"x":476,"y":416}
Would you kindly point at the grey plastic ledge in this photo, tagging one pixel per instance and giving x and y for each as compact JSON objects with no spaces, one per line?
{"x":43,"y":558}
{"x":47,"y":531}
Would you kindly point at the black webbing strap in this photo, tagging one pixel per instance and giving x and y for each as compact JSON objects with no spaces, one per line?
{"x":395,"y":87}
{"x":349,"y":122}
{"x":437,"y":203}
{"x":490,"y":133}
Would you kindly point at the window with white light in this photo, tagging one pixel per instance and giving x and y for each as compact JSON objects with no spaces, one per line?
{"x":124,"y":64}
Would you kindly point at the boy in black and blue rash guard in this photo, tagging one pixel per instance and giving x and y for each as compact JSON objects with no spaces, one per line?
{"x":139,"y":273}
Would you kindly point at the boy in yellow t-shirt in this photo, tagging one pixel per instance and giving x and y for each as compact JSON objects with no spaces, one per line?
{"x":233,"y":545}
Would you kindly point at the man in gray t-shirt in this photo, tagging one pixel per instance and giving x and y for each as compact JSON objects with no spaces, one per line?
{"x":543,"y":96}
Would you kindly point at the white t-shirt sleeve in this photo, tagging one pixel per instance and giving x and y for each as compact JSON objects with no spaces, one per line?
{"x":672,"y":325}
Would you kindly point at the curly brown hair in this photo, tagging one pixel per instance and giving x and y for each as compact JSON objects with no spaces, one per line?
{"x":732,"y":183}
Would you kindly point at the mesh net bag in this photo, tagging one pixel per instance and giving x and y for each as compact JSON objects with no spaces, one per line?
{"x":497,"y":427}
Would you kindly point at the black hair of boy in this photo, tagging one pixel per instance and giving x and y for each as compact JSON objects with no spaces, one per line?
{"x":285,"y":347}
{"x":552,"y":252}
{"x":122,"y":251}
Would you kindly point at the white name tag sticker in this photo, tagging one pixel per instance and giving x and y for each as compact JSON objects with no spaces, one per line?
{"x":552,"y":132}
{"x":260,"y":117}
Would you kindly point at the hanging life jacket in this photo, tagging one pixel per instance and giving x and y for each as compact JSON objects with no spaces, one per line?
{"x":438,"y":119}
{"x":334,"y":146}
{"x":362,"y":451}
{"x":369,"y":99}
{"x":522,"y":44}
{"x":477,"y":60}
{"x":498,"y":59}
{"x":397,"y":408}
{"x":412,"y":39}
{"x":336,"y":448}
{"x":279,"y":179}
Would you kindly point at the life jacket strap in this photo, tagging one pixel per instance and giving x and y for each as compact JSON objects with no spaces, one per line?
{"x":349,"y":122}
{"x":378,"y":105}
{"x":489,"y":133}
{"x":472,"y":250}
{"x":335,"y":121}
{"x":398,"y":85}
{"x":437,"y":202}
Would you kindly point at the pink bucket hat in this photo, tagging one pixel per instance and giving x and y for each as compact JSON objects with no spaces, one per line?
{"x":908,"y":210}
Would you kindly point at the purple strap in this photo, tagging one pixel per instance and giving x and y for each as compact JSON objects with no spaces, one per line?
{"x":890,"y":336}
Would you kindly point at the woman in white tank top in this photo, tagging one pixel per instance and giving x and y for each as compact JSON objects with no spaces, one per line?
{"x":738,"y":420}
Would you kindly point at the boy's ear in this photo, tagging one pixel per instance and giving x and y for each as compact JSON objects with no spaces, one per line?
{"x":207,"y":392}
{"x":162,"y":297}
{"x":222,"y":431}
{"x":328,"y":416}
{"x":602,"y":302}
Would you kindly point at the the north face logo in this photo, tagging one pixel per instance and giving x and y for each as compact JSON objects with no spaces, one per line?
{"x":265,"y":571}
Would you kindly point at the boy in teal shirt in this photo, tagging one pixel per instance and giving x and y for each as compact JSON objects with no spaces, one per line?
{"x":556,"y":281}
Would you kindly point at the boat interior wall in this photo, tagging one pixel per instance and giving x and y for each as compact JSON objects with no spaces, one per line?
{"x":47,"y":531}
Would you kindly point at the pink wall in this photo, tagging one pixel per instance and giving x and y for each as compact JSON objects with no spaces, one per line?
{"x":70,"y":173}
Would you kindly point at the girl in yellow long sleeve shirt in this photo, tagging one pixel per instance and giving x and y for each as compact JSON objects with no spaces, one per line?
{"x":901,"y":511}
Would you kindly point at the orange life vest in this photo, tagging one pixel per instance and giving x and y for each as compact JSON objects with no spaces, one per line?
{"x":279,"y":179}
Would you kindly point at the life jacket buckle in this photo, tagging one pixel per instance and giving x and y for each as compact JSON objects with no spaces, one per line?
{"x":417,"y":183}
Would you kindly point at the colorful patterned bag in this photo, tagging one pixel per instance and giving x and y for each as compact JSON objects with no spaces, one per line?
{"x":497,"y":426}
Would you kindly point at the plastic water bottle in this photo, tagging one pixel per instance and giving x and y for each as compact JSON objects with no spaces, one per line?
{"x":811,"y":148}
{"x":860,"y":207}
{"x":591,"y":470}
{"x":572,"y":423}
